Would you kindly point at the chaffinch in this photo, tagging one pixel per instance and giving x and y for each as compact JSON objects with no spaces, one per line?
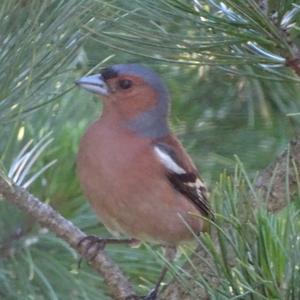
{"x":134,"y":171}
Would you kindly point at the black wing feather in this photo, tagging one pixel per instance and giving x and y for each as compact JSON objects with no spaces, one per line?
{"x":186,"y":185}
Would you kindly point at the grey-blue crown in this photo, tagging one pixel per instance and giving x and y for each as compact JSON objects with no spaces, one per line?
{"x":151,"y":123}
{"x":148,"y":75}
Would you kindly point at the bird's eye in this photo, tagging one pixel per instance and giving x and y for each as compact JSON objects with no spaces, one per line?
{"x":125,"y":84}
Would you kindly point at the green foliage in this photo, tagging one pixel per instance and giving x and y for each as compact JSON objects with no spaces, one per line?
{"x":203,"y":32}
{"x":232,"y":94}
{"x":256,"y":255}
{"x":38,"y":42}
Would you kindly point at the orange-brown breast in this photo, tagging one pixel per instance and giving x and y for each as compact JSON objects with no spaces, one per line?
{"x":127,"y":187}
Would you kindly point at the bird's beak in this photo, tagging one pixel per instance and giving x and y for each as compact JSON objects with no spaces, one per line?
{"x":94,"y":84}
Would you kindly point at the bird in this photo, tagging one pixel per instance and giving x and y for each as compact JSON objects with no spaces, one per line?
{"x":134,"y":171}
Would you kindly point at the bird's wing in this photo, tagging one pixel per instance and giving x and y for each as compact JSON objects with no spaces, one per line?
{"x":182,"y":173}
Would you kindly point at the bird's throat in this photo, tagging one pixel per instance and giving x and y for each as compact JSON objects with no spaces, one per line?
{"x":149,"y":125}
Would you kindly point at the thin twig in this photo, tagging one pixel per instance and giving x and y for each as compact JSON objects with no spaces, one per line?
{"x":45,"y":215}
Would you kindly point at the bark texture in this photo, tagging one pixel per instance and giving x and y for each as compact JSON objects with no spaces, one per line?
{"x":46,"y":216}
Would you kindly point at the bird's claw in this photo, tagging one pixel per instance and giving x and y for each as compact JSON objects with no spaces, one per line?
{"x":93,"y":245}
{"x":151,"y":296}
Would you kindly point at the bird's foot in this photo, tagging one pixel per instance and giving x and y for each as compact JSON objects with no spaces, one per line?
{"x":93,"y":245}
{"x":151,"y":296}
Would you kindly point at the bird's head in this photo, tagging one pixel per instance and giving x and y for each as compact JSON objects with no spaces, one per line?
{"x":136,"y":94}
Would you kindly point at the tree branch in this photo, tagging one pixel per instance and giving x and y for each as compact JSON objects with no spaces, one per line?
{"x":45,"y":215}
